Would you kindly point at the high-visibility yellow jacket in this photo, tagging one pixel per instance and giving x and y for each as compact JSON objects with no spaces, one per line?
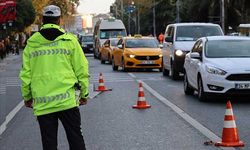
{"x":50,"y":70}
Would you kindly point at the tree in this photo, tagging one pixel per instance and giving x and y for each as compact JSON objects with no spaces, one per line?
{"x":25,"y":14}
{"x":68,"y":8}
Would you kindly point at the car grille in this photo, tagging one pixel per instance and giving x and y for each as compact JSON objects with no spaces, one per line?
{"x":153,"y":65}
{"x":147,"y":57}
{"x":90,"y":45}
{"x":238,"y":77}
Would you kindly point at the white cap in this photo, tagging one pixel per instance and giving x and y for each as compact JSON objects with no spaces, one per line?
{"x":51,"y":11}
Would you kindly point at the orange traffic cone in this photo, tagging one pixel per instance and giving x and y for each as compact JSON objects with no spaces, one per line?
{"x":230,"y":136}
{"x":141,"y":102}
{"x":101,"y":86}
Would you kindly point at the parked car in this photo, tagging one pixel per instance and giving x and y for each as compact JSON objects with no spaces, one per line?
{"x":107,"y":50}
{"x":218,"y":66}
{"x":179,"y":39}
{"x":137,"y":52}
{"x":87,"y":43}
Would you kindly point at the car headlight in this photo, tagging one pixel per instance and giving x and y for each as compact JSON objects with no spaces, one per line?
{"x":160,"y":55}
{"x":214,"y":70}
{"x":179,"y":52}
{"x":130,"y":55}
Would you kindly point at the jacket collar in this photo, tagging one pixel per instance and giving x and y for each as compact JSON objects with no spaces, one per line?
{"x":49,"y":25}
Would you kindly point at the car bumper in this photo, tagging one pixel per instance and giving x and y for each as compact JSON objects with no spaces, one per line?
{"x":179,"y":63}
{"x":135,"y":63}
{"x":215,"y":84}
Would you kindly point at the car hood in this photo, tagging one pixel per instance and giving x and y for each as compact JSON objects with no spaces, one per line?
{"x":185,"y":46}
{"x":231,"y":64}
{"x":144,"y":51}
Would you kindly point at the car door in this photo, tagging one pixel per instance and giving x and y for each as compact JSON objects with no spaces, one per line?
{"x":117,"y":53}
{"x":168,"y":46}
{"x":190,"y":65}
{"x":195,"y":64}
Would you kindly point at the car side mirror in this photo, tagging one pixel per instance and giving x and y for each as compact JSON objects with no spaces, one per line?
{"x":106,"y":45}
{"x":161,"y":46}
{"x":120,"y":46}
{"x":195,"y":55}
{"x":169,"y":39}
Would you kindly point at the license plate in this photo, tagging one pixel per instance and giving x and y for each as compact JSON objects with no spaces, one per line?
{"x":242,"y":85}
{"x":148,"y":62}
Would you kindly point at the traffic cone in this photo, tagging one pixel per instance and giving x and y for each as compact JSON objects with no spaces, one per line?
{"x":230,"y":136}
{"x":101,"y":86}
{"x":141,"y":102}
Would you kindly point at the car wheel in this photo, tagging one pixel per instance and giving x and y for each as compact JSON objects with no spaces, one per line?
{"x":102,"y":61}
{"x":201,"y":94}
{"x":123,"y":66}
{"x":187,"y":89}
{"x":109,"y":59}
{"x":114,"y":67}
{"x":95,"y":56}
{"x":173,"y":73}
{"x":160,"y":69}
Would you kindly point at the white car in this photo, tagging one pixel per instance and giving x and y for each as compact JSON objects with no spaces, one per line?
{"x":179,"y":39}
{"x":218,"y":65}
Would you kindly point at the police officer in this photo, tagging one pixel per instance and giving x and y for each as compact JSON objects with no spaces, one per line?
{"x":53,"y":62}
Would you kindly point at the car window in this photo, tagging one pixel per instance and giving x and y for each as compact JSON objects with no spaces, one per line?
{"x":195,"y":47}
{"x":192,"y":33}
{"x":106,"y":42}
{"x":105,"y":34}
{"x":87,"y":38}
{"x":170,"y":32}
{"x":199,"y":48}
{"x":119,"y":42}
{"x":144,"y":43}
{"x":227,"y":49}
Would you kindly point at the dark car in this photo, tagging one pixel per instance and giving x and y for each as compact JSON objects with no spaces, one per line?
{"x":87,"y":43}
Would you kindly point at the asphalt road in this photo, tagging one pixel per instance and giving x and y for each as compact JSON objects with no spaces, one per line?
{"x":110,"y":123}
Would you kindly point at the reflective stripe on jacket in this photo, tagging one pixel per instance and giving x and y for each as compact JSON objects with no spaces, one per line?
{"x":51,"y":69}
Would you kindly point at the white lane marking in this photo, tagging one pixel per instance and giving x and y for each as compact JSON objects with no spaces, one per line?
{"x":205,"y":131}
{"x":10,"y":116}
{"x":92,"y":93}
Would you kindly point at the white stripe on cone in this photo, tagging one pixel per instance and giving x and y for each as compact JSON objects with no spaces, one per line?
{"x":141,"y":99}
{"x":141,"y":89}
{"x":229,"y":124}
{"x":229,"y":112}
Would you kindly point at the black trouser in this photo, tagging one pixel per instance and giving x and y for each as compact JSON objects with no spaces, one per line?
{"x":71,"y":121}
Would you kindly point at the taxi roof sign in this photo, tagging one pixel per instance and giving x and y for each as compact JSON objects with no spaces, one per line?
{"x":138,"y":36}
{"x":119,"y":36}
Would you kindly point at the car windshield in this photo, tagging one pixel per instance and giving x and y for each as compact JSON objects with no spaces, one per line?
{"x":105,"y":34}
{"x":87,"y":38}
{"x":227,"y":49}
{"x":138,"y":43}
{"x":114,"y":42}
{"x":192,"y":33}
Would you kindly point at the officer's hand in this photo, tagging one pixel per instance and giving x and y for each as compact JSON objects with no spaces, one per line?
{"x":83,"y":101}
{"x":29,"y":103}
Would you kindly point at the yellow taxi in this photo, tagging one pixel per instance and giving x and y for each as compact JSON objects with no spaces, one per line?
{"x":137,"y":52}
{"x":107,"y":48}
